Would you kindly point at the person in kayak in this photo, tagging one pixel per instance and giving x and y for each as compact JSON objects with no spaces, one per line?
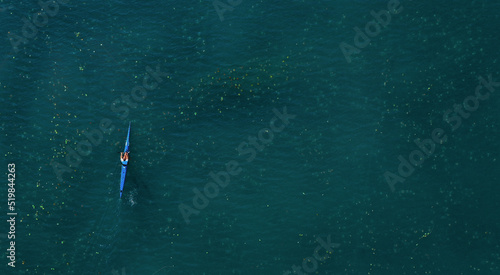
{"x":124,"y":158}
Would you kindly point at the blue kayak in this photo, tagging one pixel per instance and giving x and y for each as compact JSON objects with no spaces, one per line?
{"x":124,"y":163}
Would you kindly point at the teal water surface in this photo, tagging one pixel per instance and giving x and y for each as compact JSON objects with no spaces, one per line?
{"x":197,"y":89}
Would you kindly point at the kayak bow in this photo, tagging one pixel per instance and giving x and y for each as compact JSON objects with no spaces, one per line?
{"x":124,"y":164}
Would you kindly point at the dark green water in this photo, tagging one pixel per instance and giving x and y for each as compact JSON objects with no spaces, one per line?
{"x":323,"y":175}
